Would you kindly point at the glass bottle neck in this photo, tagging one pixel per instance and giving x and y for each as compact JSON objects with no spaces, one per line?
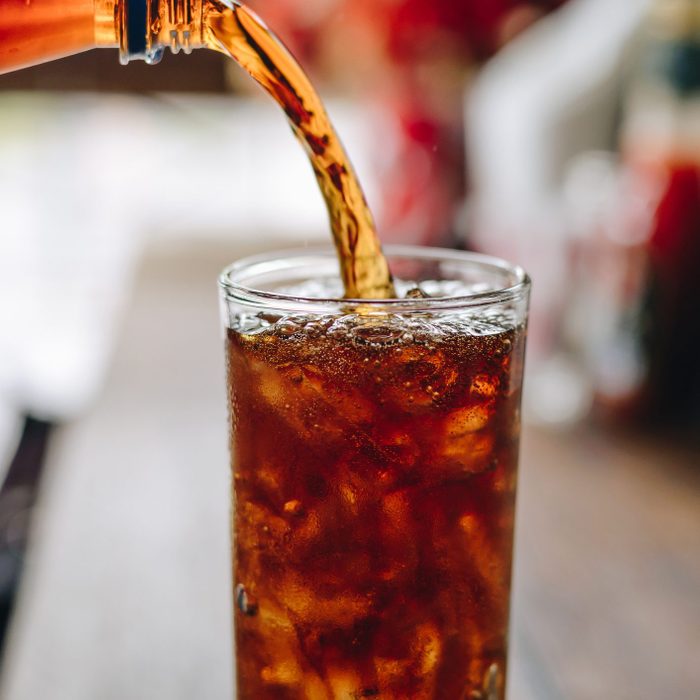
{"x":143,"y":29}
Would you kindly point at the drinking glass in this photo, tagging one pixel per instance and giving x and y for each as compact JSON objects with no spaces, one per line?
{"x":374,"y":450}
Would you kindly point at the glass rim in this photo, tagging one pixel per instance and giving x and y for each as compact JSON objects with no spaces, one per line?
{"x":233,"y":277}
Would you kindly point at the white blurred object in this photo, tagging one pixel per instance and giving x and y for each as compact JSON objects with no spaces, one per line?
{"x":229,"y":169}
{"x":548,"y":95}
{"x":10,"y":431}
{"x":557,"y":393}
{"x":610,"y":208}
{"x":66,"y":252}
{"x":87,"y":180}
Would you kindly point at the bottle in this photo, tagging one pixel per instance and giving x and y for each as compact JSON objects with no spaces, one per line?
{"x":35,"y":31}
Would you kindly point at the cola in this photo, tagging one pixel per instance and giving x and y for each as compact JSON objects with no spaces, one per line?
{"x":236,"y":31}
{"x":374,"y":472}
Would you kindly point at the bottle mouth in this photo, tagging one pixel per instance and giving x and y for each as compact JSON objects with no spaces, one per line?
{"x":263,"y":280}
{"x":140,"y":22}
{"x":134,"y":32}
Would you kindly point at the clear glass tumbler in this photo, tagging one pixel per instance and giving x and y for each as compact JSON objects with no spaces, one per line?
{"x":374,"y":450}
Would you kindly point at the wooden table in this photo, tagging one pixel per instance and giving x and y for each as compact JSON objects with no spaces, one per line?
{"x":127,"y":589}
{"x":607,"y":597}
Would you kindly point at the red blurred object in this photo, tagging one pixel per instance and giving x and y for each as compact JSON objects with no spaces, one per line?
{"x":675,"y":243}
{"x":659,"y":141}
{"x":674,"y":251}
{"x":413,"y":60}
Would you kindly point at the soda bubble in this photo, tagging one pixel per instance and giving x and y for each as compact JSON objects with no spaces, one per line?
{"x":376,"y":334}
{"x":422,"y":330}
{"x":249,"y":324}
{"x":314,"y":329}
{"x":491,"y":681}
{"x":505,"y":348}
{"x":268,"y":317}
{"x":416,"y":293}
{"x":489,"y":690}
{"x":246,"y":602}
{"x":288,"y":327}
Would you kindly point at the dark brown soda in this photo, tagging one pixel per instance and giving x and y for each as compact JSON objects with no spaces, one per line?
{"x":374,"y":474}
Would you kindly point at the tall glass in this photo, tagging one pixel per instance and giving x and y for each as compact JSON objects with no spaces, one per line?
{"x":374,"y":450}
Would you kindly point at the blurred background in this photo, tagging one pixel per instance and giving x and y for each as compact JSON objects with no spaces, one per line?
{"x":561,"y":134}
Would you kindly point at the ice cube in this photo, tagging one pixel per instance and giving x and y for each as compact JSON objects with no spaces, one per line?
{"x":293,"y":507}
{"x":399,"y":444}
{"x":301,"y":597}
{"x":270,"y":384}
{"x":395,"y":530}
{"x":315,"y":688}
{"x":298,"y":397}
{"x":351,"y":405}
{"x":464,"y":453}
{"x":490,"y":562}
{"x":467,"y":420}
{"x":427,"y":648}
{"x":267,"y":478}
{"x":286,"y":672}
{"x":419,"y":378}
{"x":349,"y":495}
{"x":306,"y":530}
{"x":259,"y":527}
{"x":391,"y":672}
{"x":484,"y":385}
{"x":280,"y":645}
{"x":411,"y":667}
{"x":344,"y":682}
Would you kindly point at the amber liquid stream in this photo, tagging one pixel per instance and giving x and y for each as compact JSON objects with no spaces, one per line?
{"x":237,"y":32}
